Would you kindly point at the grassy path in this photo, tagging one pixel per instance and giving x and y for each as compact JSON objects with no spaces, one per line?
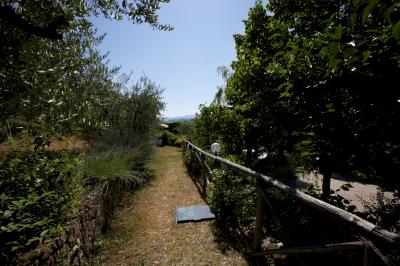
{"x":144,"y":231}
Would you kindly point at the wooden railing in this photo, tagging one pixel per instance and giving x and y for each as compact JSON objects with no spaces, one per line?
{"x":260,"y":182}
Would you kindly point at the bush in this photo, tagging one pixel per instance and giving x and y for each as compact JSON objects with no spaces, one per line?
{"x":384,"y":211}
{"x":232,"y":199}
{"x":37,"y":191}
{"x":169,"y":138}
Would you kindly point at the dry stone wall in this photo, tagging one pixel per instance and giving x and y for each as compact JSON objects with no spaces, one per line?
{"x":81,"y":230}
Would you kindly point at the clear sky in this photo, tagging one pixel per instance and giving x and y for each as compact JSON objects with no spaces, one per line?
{"x":183,"y":61}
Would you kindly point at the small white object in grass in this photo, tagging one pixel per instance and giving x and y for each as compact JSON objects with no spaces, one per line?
{"x":215,"y":148}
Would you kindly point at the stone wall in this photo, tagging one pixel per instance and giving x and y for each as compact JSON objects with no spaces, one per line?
{"x":81,"y":230}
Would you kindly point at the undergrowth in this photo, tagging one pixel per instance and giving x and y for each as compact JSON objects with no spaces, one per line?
{"x":37,"y":192}
{"x":232,"y":197}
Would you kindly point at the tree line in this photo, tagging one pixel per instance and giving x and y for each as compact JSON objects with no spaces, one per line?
{"x":314,"y":85}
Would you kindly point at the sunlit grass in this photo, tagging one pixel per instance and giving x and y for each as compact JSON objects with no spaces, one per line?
{"x":117,"y":163}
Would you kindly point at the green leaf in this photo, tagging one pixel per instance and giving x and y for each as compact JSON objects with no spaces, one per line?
{"x":330,"y":108}
{"x":396,"y":30}
{"x":338,"y":33}
{"x":388,"y":13}
{"x":352,"y":19}
{"x":368,"y":10}
{"x":365,"y":55}
{"x":349,"y":51}
{"x":8,"y":214}
{"x":276,"y":35}
{"x":43,"y":234}
{"x":324,"y":51}
{"x":292,"y":45}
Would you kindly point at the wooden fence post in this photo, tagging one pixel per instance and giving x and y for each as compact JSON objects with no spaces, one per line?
{"x":204,"y":172}
{"x":260,"y":206}
{"x":367,"y":256}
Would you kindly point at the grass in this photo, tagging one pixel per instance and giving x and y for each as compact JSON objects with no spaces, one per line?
{"x":109,"y":163}
{"x":144,"y":231}
{"x":117,"y":162}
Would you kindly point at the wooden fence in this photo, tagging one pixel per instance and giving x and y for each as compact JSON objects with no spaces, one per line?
{"x":260,"y":182}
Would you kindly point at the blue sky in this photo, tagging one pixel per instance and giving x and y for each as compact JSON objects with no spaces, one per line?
{"x":183,"y":61}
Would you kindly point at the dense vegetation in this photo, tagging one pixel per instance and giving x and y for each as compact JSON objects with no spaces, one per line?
{"x":175,"y":132}
{"x":314,"y":83}
{"x":55,"y":84}
{"x":313,"y":88}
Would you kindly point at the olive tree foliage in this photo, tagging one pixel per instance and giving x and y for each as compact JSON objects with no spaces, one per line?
{"x":48,"y":18}
{"x":64,"y":84}
{"x":133,"y":115}
{"x":53,"y":81}
{"x":52,"y":78}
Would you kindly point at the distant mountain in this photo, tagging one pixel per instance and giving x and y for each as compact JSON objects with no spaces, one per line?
{"x":178,"y":118}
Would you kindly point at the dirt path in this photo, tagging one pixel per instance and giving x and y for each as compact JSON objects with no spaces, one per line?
{"x":144,"y":231}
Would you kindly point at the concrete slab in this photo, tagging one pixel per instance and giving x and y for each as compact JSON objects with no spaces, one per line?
{"x":193,"y":214}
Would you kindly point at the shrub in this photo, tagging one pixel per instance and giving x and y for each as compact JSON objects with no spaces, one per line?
{"x":37,"y":191}
{"x":169,"y":138}
{"x":384,"y":211}
{"x":192,"y":164}
{"x":232,"y":199}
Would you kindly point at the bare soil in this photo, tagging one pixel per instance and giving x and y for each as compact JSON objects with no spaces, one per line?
{"x":72,"y":144}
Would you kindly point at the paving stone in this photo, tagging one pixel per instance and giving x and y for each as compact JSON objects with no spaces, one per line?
{"x":193,"y":213}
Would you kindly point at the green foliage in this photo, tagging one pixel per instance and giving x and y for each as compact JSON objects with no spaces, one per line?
{"x":232,"y":198}
{"x":335,"y":198}
{"x":132,"y":115}
{"x":192,"y":164}
{"x":56,"y":86}
{"x":384,"y":211}
{"x":217,"y":123}
{"x":47,"y":17}
{"x":37,"y":191}
{"x":118,"y":163}
{"x":176,"y":133}
{"x":54,"y":82}
{"x":185,"y":128}
{"x":168,"y":138}
{"x":316,"y":80}
{"x":335,"y":63}
{"x":297,"y":224}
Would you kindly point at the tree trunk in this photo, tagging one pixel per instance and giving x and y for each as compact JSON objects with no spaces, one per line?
{"x":249,"y":156}
{"x":326,"y":184}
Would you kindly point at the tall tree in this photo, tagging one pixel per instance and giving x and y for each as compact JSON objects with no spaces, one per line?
{"x":320,"y":82}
